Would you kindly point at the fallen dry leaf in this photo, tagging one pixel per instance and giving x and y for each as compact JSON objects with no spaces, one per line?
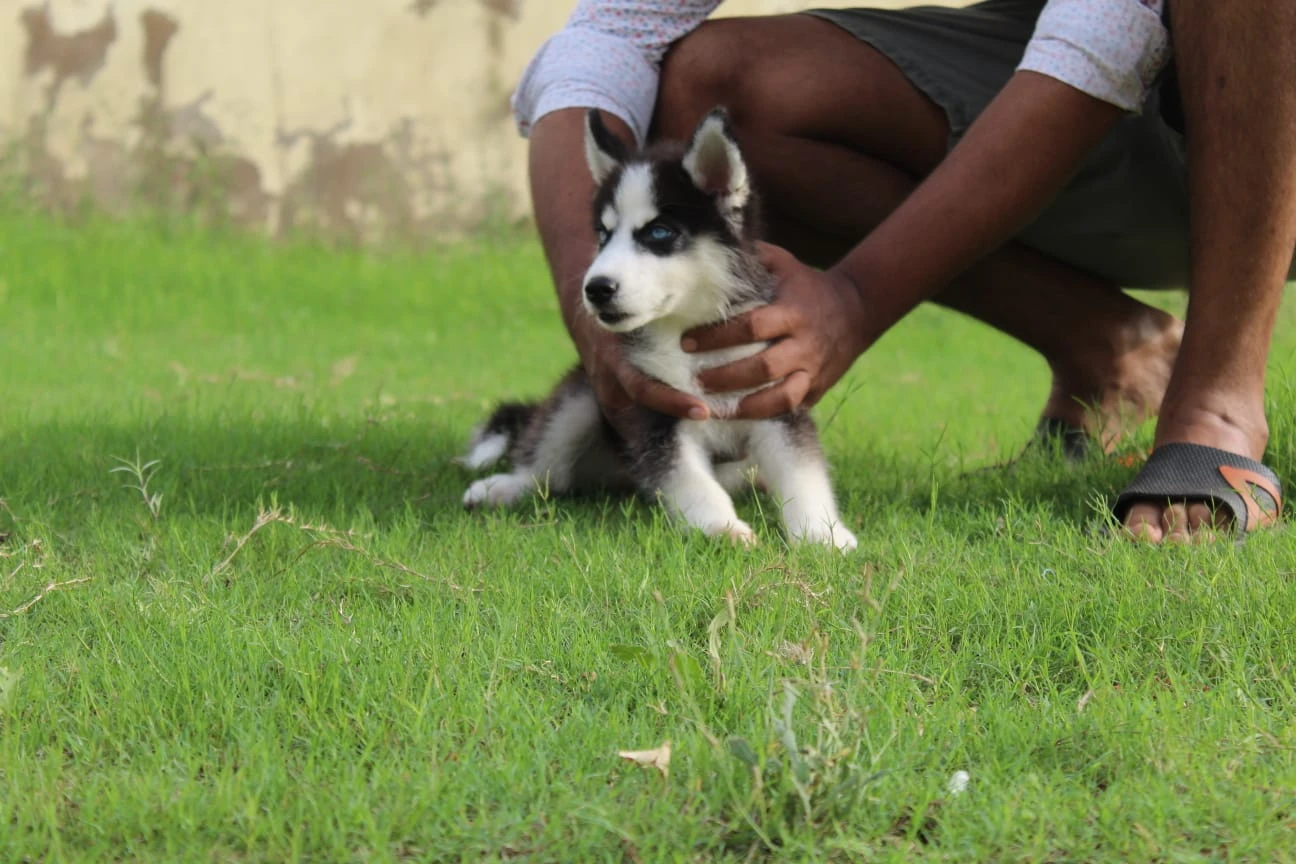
{"x":658,"y":758}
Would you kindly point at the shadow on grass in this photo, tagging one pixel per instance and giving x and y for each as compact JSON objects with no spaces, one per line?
{"x":222,"y":466}
{"x":341,"y":469}
{"x":960,"y":498}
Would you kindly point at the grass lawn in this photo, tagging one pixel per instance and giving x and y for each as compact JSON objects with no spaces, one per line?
{"x":294,"y":645}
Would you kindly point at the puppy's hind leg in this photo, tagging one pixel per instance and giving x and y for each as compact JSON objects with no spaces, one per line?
{"x":787,"y":451}
{"x":499,"y":490}
{"x":559,"y":433}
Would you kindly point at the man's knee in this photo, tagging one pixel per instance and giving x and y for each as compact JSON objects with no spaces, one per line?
{"x":704,"y":69}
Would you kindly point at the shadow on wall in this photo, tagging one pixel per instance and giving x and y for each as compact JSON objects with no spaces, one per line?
{"x":178,"y":158}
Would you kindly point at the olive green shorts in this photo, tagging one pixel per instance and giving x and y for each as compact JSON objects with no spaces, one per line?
{"x":1124,"y":216}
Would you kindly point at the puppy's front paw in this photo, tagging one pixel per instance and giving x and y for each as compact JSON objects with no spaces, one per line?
{"x":738,"y":533}
{"x":499,"y":490}
{"x":836,"y":535}
{"x":842,"y":538}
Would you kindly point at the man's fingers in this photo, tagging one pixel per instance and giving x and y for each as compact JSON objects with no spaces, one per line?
{"x":612,"y":397}
{"x":783,"y":398}
{"x":763,"y":324}
{"x":758,"y":370}
{"x":656,"y":396}
{"x":773,"y":258}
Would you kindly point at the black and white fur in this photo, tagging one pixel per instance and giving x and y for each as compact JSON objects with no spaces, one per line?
{"x":676,"y":228}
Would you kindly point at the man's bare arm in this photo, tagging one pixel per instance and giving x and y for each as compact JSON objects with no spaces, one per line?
{"x":1016,"y":158}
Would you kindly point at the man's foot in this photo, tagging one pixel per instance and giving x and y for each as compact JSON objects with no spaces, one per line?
{"x":1118,"y":383}
{"x":1240,"y":431}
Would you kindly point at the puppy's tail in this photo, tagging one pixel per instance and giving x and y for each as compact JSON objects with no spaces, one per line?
{"x":496,"y":437}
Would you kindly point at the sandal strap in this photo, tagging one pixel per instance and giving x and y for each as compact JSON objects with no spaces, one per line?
{"x":1192,"y":472}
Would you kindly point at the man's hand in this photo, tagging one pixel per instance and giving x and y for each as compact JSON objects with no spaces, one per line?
{"x":815,"y":327}
{"x":619,"y":385}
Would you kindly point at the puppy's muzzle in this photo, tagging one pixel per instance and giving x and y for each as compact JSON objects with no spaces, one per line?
{"x":601,"y":296}
{"x":600,"y":291}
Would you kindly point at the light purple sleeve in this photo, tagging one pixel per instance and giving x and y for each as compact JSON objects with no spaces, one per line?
{"x":608,"y":56}
{"x":1112,"y":50}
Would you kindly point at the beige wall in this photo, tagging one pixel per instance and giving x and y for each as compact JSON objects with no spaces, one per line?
{"x":361,"y":119}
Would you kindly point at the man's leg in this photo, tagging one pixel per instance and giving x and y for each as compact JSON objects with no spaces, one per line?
{"x":1238,"y":83}
{"x":837,"y":137}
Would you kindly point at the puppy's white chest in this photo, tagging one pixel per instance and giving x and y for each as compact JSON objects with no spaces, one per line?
{"x":661,"y":357}
{"x":727,"y":439}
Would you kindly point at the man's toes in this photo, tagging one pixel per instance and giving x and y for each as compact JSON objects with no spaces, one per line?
{"x":1143,"y":522}
{"x":1174,"y":523}
{"x":1204,"y":519}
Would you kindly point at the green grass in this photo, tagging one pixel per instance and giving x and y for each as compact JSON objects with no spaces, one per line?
{"x":305,"y":650}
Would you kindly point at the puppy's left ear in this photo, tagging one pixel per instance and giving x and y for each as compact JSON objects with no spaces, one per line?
{"x":714,"y":162}
{"x":604,"y":152}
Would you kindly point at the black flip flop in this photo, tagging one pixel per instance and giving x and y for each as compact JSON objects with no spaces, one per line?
{"x":1191,"y":472}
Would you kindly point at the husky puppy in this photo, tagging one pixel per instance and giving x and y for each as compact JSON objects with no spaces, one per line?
{"x":676,"y":229}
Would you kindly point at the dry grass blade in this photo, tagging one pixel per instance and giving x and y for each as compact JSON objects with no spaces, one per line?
{"x":338,"y":542}
{"x":264,"y":518}
{"x":48,"y":589}
{"x":1084,"y":701}
{"x":333,"y":538}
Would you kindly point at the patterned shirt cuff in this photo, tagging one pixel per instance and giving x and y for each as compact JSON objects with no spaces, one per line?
{"x":1112,"y":50}
{"x":596,"y":70}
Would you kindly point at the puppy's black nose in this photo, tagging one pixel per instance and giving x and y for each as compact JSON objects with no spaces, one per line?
{"x":599,"y":290}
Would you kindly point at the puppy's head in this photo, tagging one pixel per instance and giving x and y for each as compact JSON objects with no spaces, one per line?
{"x":670,"y":222}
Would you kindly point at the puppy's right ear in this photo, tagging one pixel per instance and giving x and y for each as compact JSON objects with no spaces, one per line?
{"x":604,"y":152}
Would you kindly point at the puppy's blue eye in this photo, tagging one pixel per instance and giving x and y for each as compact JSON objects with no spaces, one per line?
{"x":659,"y":232}
{"x":603,"y":235}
